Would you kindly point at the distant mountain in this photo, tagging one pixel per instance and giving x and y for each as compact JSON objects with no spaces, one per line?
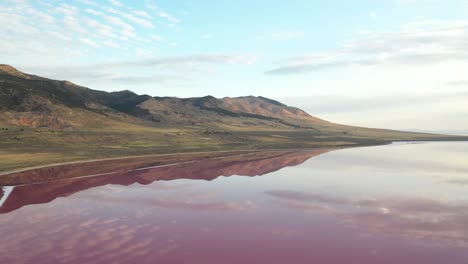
{"x":39,"y":102}
{"x":38,"y":113}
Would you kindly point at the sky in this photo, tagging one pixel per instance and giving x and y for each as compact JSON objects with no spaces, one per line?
{"x":380,"y":63}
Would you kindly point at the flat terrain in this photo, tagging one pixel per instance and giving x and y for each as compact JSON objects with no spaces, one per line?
{"x":26,"y":147}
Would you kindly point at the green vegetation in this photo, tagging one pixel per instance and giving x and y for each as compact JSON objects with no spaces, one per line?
{"x":44,"y":121}
{"x":26,"y":147}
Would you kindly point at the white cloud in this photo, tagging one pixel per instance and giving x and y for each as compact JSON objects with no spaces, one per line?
{"x":417,"y":43}
{"x":88,"y":2}
{"x":89,"y":42}
{"x":197,"y":59}
{"x":141,"y":13}
{"x":28,"y":32}
{"x":65,"y":30}
{"x":139,"y":17}
{"x":150,"y":4}
{"x":116,"y":3}
{"x":126,"y":30}
{"x":132,"y":18}
{"x":71,"y":18}
{"x":168,"y":16}
{"x":62,"y":29}
{"x":94,"y":12}
{"x":181,"y":69}
{"x":111,"y":44}
{"x":101,"y":29}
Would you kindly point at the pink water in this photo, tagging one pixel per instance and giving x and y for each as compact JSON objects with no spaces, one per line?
{"x":387,"y":204}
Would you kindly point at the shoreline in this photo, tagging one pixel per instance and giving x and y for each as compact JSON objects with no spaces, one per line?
{"x":233,"y":152}
{"x":238,"y":151}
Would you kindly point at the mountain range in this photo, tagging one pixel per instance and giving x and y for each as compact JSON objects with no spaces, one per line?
{"x":44,"y":120}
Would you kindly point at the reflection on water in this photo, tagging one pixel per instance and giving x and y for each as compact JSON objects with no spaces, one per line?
{"x":388,"y":204}
{"x":248,"y":164}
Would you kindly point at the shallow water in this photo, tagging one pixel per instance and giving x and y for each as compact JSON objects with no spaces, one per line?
{"x":401,"y":203}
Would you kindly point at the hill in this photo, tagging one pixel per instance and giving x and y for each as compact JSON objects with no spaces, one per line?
{"x":44,"y":121}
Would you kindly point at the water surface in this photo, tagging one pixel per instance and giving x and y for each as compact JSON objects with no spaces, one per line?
{"x":402,"y":203}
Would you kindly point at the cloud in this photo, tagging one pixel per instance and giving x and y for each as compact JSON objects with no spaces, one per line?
{"x":155,"y":70}
{"x":400,"y":205}
{"x":461,"y":182}
{"x":85,"y":76}
{"x":141,"y":13}
{"x":52,"y":32}
{"x":415,"y":219}
{"x":164,"y":62}
{"x":128,"y":79}
{"x":88,"y":2}
{"x":308,"y":68}
{"x":59,"y":30}
{"x":131,"y":17}
{"x":66,"y":30}
{"x":194,"y":59}
{"x":116,"y":3}
{"x":71,"y":18}
{"x":302,"y":196}
{"x":169,"y":17}
{"x":127,"y":30}
{"x":196,"y":201}
{"x":111,"y":44}
{"x":458,"y":83}
{"x":89,"y":42}
{"x":150,"y":4}
{"x":417,"y":43}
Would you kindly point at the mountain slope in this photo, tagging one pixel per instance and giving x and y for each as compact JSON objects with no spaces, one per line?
{"x":36,"y":96}
{"x":44,"y":120}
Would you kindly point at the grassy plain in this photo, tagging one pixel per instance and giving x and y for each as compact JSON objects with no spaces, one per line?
{"x":26,"y":147}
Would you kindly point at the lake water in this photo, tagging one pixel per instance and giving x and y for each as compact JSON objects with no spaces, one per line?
{"x":401,"y":203}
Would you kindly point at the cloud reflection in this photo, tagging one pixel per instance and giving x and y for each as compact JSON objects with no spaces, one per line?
{"x":418,"y":219}
{"x":461,"y":182}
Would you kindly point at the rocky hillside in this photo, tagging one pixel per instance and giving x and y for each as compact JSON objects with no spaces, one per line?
{"x":44,"y":120}
{"x":28,"y":100}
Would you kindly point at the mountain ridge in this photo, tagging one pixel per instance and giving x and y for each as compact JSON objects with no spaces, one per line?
{"x":44,"y":120}
{"x":46,"y":91}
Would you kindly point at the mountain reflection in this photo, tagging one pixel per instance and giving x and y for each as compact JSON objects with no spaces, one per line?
{"x":359,"y":205}
{"x":43,"y":185}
